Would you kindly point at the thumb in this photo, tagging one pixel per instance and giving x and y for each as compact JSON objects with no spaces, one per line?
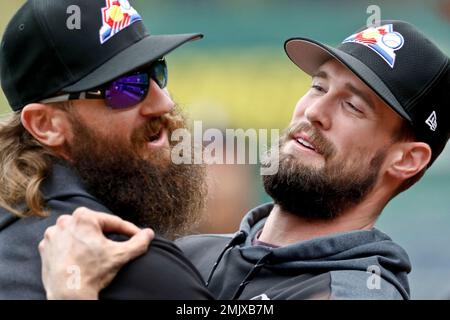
{"x":135,"y":246}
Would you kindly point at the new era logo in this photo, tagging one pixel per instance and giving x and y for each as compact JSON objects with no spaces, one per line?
{"x":432,"y":121}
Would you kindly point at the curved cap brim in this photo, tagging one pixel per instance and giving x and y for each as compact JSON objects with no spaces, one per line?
{"x":137,"y":55}
{"x":309,"y":55}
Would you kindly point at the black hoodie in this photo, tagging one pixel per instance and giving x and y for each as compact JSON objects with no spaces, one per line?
{"x":353,"y":265}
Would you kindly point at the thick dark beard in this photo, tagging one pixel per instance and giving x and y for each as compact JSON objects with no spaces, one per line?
{"x":321,"y":194}
{"x":150,"y":193}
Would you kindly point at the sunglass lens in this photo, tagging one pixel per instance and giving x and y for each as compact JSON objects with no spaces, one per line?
{"x":127,"y":91}
{"x":158,"y":72}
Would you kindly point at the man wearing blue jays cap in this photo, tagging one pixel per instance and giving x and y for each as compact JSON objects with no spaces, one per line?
{"x":90,"y":128}
{"x":375,"y":118}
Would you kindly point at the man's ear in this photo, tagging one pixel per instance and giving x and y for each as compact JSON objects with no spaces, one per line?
{"x":408,"y":159}
{"x":46,"y":124}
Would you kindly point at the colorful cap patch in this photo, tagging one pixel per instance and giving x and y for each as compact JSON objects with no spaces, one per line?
{"x":383,"y":40}
{"x":117,"y":15}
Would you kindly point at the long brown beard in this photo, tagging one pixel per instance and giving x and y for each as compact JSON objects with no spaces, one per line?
{"x":146,"y":189}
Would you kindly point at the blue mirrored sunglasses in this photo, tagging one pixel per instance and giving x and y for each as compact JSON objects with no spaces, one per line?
{"x":125,"y":91}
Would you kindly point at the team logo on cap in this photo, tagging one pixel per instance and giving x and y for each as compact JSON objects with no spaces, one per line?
{"x":383,"y":40}
{"x":117,"y":15}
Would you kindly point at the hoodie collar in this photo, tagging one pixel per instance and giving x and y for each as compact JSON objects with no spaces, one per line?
{"x":353,"y":250}
{"x":315,"y":248}
{"x":63,"y":181}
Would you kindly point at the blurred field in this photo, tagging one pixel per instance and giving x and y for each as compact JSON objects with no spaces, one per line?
{"x":243,"y":89}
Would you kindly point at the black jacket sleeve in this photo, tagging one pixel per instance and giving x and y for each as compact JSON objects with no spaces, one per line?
{"x":163,"y":272}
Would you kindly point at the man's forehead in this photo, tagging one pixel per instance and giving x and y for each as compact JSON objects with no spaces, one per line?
{"x":333,"y":68}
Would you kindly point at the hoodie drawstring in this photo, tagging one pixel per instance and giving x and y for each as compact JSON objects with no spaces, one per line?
{"x":252,"y":273}
{"x":238,"y":238}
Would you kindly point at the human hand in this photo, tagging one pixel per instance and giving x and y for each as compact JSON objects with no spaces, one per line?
{"x":78,"y":261}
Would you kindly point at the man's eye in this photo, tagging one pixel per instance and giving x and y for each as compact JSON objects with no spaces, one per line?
{"x":317,"y":87}
{"x":351,"y":106}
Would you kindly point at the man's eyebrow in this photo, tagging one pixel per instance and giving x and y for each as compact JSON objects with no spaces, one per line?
{"x":320,"y":74}
{"x":367,"y":99}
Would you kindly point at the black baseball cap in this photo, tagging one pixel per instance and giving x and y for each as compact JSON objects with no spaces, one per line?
{"x":53,"y":46}
{"x":401,"y":65}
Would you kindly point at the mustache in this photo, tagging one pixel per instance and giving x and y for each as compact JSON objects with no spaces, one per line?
{"x":153,"y":126}
{"x":322,"y":144}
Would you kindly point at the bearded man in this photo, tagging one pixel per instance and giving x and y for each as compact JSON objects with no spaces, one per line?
{"x":90,"y":129}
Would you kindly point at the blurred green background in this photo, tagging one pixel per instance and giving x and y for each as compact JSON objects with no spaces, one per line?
{"x":240,"y":77}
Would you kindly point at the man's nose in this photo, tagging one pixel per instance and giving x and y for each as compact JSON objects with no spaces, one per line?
{"x":318,"y":112}
{"x":157,"y":102}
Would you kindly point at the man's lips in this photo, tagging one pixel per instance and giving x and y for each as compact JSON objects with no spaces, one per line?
{"x":304,"y":141}
{"x":159,"y":140}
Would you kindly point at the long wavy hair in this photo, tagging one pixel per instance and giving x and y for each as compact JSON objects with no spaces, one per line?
{"x":24,"y":164}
